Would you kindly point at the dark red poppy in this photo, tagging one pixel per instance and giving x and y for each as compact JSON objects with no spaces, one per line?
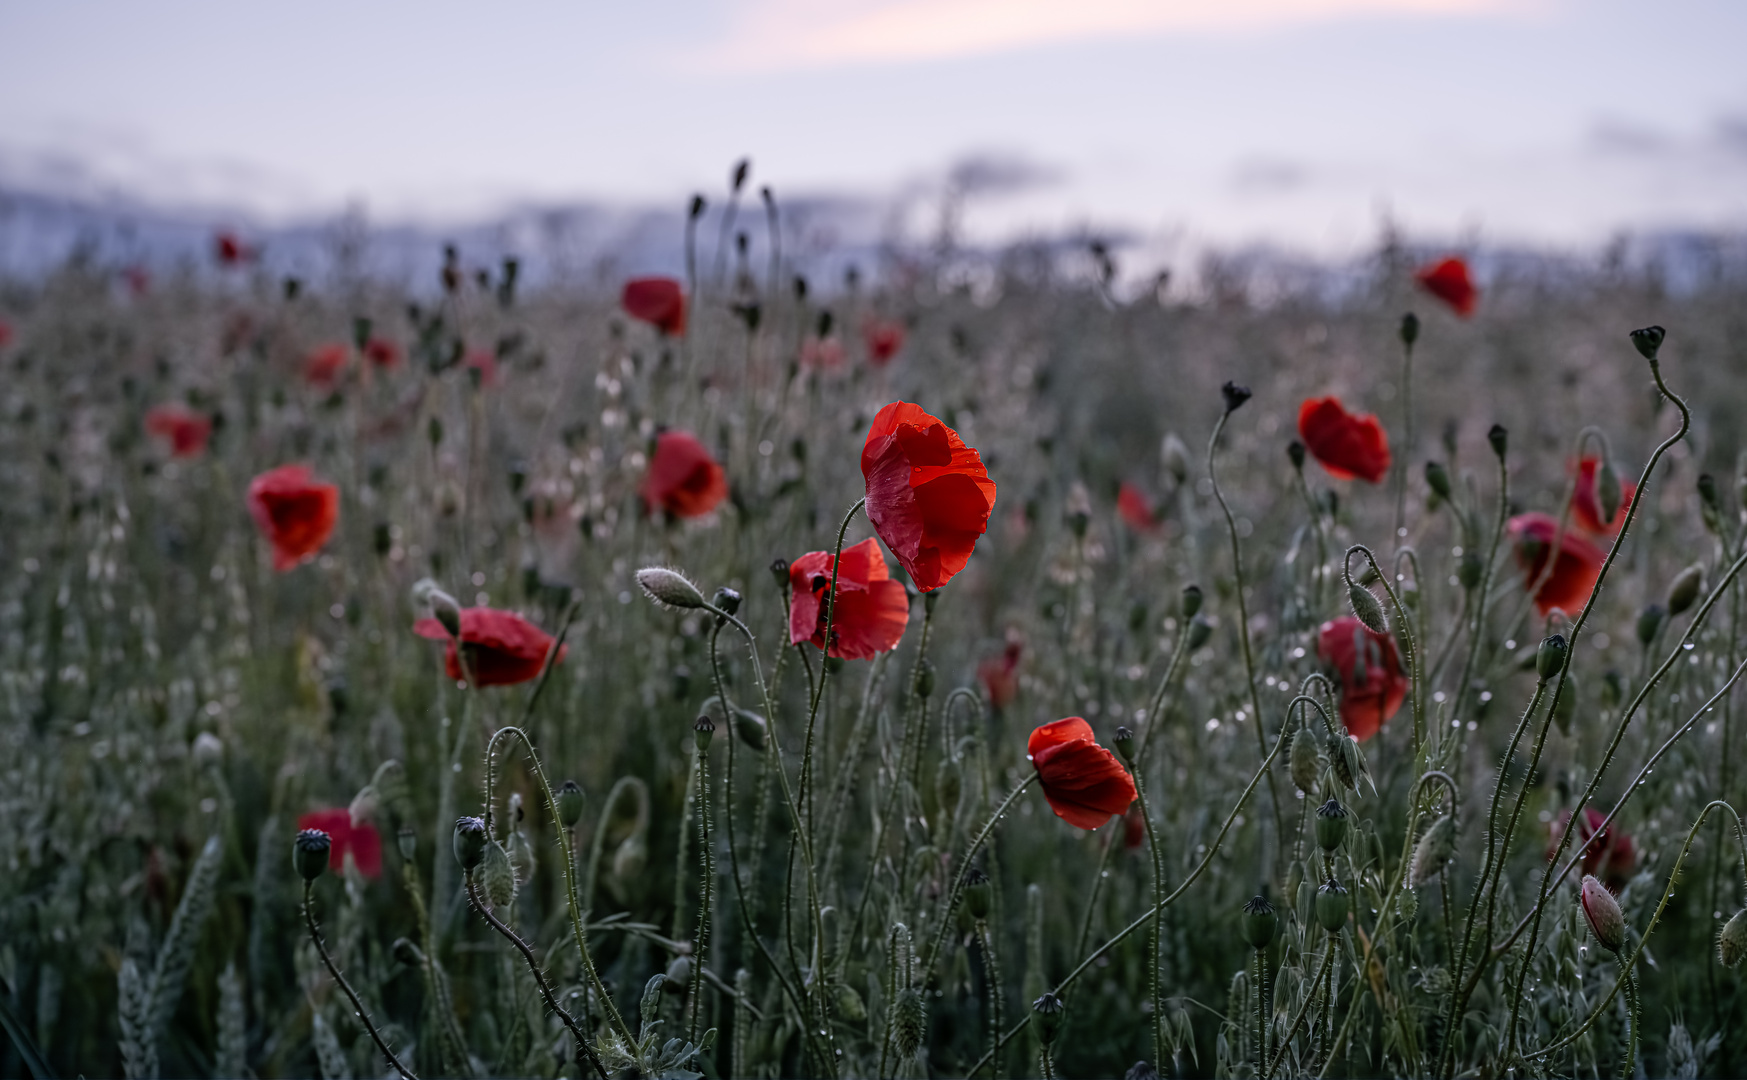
{"x":1348,"y":445}
{"x":1136,"y":509}
{"x":360,"y":841}
{"x":1083,"y":782}
{"x":1609,"y":853}
{"x":1586,"y":508}
{"x":137,"y":279}
{"x":294,"y":511}
{"x":928,"y":494}
{"x":658,"y":301}
{"x":1373,"y":686}
{"x":502,"y":647}
{"x":884,"y":339}
{"x":872,"y":609}
{"x":5,"y":333}
{"x":1133,"y":828}
{"x":683,"y":478}
{"x":1448,"y":280}
{"x":822,"y":354}
{"x":1574,"y":572}
{"x":484,"y":361}
{"x":230,"y":249}
{"x":184,"y":429}
{"x":323,"y":367}
{"x":1000,"y":674}
{"x":382,"y":352}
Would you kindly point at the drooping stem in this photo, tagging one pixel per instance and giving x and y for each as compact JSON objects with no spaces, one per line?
{"x":351,"y":994}
{"x":952,"y":897}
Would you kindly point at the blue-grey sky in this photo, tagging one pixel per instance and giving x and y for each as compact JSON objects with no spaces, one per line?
{"x":1300,"y":122}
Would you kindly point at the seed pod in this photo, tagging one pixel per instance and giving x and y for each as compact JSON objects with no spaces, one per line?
{"x":669,"y":588}
{"x":570,"y":803}
{"x":1650,"y":623}
{"x":1141,"y":1070}
{"x":1434,"y":850}
{"x":1608,"y":494}
{"x":1331,"y":825}
{"x":751,"y":728}
{"x":469,"y":842}
{"x":1603,"y":913}
{"x":727,"y":599}
{"x":629,"y":859}
{"x":1259,"y":922}
{"x":1368,"y":608}
{"x":779,"y":571}
{"x":310,"y":853}
{"x":1124,"y":740}
{"x":1438,"y":479}
{"x":1190,"y":605}
{"x":977,"y":893}
{"x":909,"y":1021}
{"x":1732,"y":940}
{"x":702,"y":728}
{"x":1234,"y":396}
{"x":1499,"y":439}
{"x":1199,"y":631}
{"x":1295,"y":454}
{"x":1049,"y":1010}
{"x":1409,"y":329}
{"x":1306,"y":762}
{"x":1331,"y":906}
{"x":1470,"y":569}
{"x":1683,"y":593}
{"x":1649,"y":341}
{"x":1550,"y":657}
{"x":1337,"y":759}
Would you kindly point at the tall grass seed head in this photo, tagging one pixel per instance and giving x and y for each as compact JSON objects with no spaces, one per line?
{"x":310,"y":853}
{"x":1434,"y":850}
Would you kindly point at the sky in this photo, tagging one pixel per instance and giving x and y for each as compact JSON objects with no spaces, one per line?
{"x":1298,"y":123}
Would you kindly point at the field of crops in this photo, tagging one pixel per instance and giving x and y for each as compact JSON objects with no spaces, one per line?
{"x":435,"y":682}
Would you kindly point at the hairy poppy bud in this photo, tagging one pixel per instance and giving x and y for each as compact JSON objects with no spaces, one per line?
{"x":1331,"y":905}
{"x":977,"y":893}
{"x":727,"y":599}
{"x":1684,"y":592}
{"x":570,"y":803}
{"x":310,"y":853}
{"x":1124,"y":740}
{"x":1368,"y":608}
{"x":1608,"y":494}
{"x":1649,"y":340}
{"x":1295,"y":454}
{"x":1175,"y":457}
{"x":427,"y":593}
{"x":1650,"y":623}
{"x":1234,"y":396}
{"x":1049,"y":1017}
{"x":779,"y":570}
{"x":1259,"y":922}
{"x":1732,"y":940}
{"x":470,"y":842}
{"x":750,"y":727}
{"x":1550,"y":657}
{"x":1470,"y":569}
{"x":1199,"y":631}
{"x":1499,"y":439}
{"x":1190,"y":604}
{"x":669,"y":588}
{"x":948,"y":786}
{"x":1305,"y":760}
{"x":1434,"y":850}
{"x":1438,"y":479}
{"x":1331,"y":825}
{"x":1603,"y":913}
{"x":702,"y":728}
{"x":1409,"y":329}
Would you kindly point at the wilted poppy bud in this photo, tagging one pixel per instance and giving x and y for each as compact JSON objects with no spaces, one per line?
{"x":727,"y":599}
{"x":406,"y":838}
{"x":1603,"y":913}
{"x":1732,"y":940}
{"x":1434,"y":850}
{"x":750,"y":727}
{"x":1649,"y":340}
{"x":1049,"y":1017}
{"x":1305,"y":760}
{"x":702,"y":728}
{"x":427,"y":593}
{"x":1368,"y":608}
{"x":1470,"y":569}
{"x":1608,"y":494}
{"x":1259,"y":922}
{"x":779,"y":571}
{"x":925,"y":679}
{"x":1438,"y":479}
{"x":977,"y":893}
{"x":1499,"y":439}
{"x":1124,"y":740}
{"x":1684,"y":592}
{"x":1199,"y":631}
{"x":310,"y":853}
{"x":1190,"y":605}
{"x":1295,"y":454}
{"x":679,"y":974}
{"x":669,"y":588}
{"x":1409,"y":329}
{"x":1331,"y":825}
{"x":1550,"y":657}
{"x":1331,"y":905}
{"x":1650,"y":623}
{"x":1234,"y":396}
{"x":570,"y":803}
{"x":1175,"y":457}
{"x":470,"y":842}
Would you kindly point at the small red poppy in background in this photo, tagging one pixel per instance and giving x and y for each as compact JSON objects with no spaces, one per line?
{"x":1586,"y":508}
{"x":1000,"y":674}
{"x":294,"y":511}
{"x":884,"y":339}
{"x":1133,"y":828}
{"x":502,"y":647}
{"x":822,"y":354}
{"x":1448,"y":280}
{"x":1083,"y":782}
{"x":928,"y":494}
{"x":872,"y":609}
{"x":483,"y":361}
{"x":323,"y":367}
{"x":137,"y":279}
{"x":1348,"y":445}
{"x":683,"y":478}
{"x":382,"y":352}
{"x":184,"y":429}
{"x":658,"y":301}
{"x":1608,"y":854}
{"x":1574,"y":572}
{"x":360,"y":841}
{"x":1136,"y":508}
{"x":1373,"y":685}
{"x":5,"y":333}
{"x":230,"y":249}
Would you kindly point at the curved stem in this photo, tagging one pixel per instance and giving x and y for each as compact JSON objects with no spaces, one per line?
{"x":1328,"y":956}
{"x":357,"y":1005}
{"x":952,"y":896}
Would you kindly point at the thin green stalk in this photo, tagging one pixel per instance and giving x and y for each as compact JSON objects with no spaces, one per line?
{"x":700,"y":950}
{"x":351,"y":994}
{"x":992,"y":976}
{"x":1328,"y":955}
{"x":952,"y":897}
{"x":1481,"y":591}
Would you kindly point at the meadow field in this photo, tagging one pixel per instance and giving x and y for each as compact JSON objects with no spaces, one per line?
{"x":1271,"y":677}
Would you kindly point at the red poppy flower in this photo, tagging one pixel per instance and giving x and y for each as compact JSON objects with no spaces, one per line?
{"x":323,"y":367}
{"x":502,"y":647}
{"x":1609,"y":854}
{"x":483,"y":361}
{"x":822,"y":354}
{"x":5,"y":333}
{"x":683,"y":478}
{"x":138,"y":280}
{"x":1000,"y":674}
{"x":184,"y":429}
{"x":658,"y":301}
{"x":1448,"y":280}
{"x":928,"y":494}
{"x":1348,"y":445}
{"x":230,"y":249}
{"x":1083,"y":782}
{"x":1373,"y":685}
{"x":872,"y":609}
{"x":1133,"y":828}
{"x":1586,"y":508}
{"x":884,"y":339}
{"x":382,"y":353}
{"x":360,"y":841}
{"x":1136,"y":509}
{"x":1574,"y":571}
{"x":294,"y":511}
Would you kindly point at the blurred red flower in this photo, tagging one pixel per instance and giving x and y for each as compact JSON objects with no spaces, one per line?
{"x":683,"y":478}
{"x":1000,"y":674}
{"x":1609,"y":854}
{"x":928,"y":494}
{"x":1586,"y":508}
{"x":1348,"y":445}
{"x":184,"y":429}
{"x":1574,"y":572}
{"x":230,"y":249}
{"x":5,"y":333}
{"x":382,"y":352}
{"x":137,"y":279}
{"x":1373,"y":685}
{"x":872,"y":609}
{"x":483,"y":361}
{"x":1083,"y":782}
{"x":1133,"y":828}
{"x":294,"y":511}
{"x":1448,"y":280}
{"x":323,"y":367}
{"x":1136,"y":509}
{"x":884,"y":339}
{"x":359,"y":841}
{"x":502,"y":647}
{"x":822,"y":354}
{"x":658,"y":301}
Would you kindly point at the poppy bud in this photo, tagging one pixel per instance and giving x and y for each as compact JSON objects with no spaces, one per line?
{"x":697,"y":207}
{"x":1409,"y":329}
{"x":1234,"y":396}
{"x":779,"y":571}
{"x":669,"y":588}
{"x":1175,"y":457}
{"x":1259,"y":922}
{"x":679,"y":974}
{"x":925,"y":679}
{"x":470,"y":842}
{"x":1550,"y":657}
{"x":1732,"y":941}
{"x":741,"y":168}
{"x":1190,"y":605}
{"x":1331,"y":825}
{"x":1124,"y":740}
{"x":310,"y":853}
{"x":702,"y":728}
{"x":977,"y":893}
{"x":1684,"y":592}
{"x":426,"y":593}
{"x":1649,"y":340}
{"x":1710,"y":505}
{"x":570,"y":803}
{"x":948,"y":786}
{"x":1470,"y":569}
{"x":1305,"y":761}
{"x":1650,"y":623}
{"x":1199,"y":631}
{"x":1438,"y":479}
{"x":1603,"y":912}
{"x":750,"y":727}
{"x":1331,"y":906}
{"x":727,"y":599}
{"x":406,"y":838}
{"x":1434,"y":850}
{"x":1295,"y":453}
{"x":1141,"y":1070}
{"x":407,"y":953}
{"x":1499,"y":438}
{"x":1049,"y":1017}
{"x":1368,"y":608}
{"x":1608,"y":494}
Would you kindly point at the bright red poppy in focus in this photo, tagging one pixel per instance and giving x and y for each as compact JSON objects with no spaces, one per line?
{"x":323,"y":367}
{"x":683,"y":478}
{"x":502,"y":647}
{"x":382,"y":353}
{"x":1448,"y":280}
{"x":884,"y":339}
{"x":360,"y":841}
{"x":658,"y":301}
{"x":1000,"y":674}
{"x":872,"y":609}
{"x":1136,"y":509}
{"x":928,"y":494}
{"x":184,"y":429}
{"x":1348,"y":445}
{"x":294,"y":511}
{"x":1083,"y":782}
{"x":1586,"y":508}
{"x":1609,"y":854}
{"x":1574,"y":572}
{"x":1373,"y":686}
